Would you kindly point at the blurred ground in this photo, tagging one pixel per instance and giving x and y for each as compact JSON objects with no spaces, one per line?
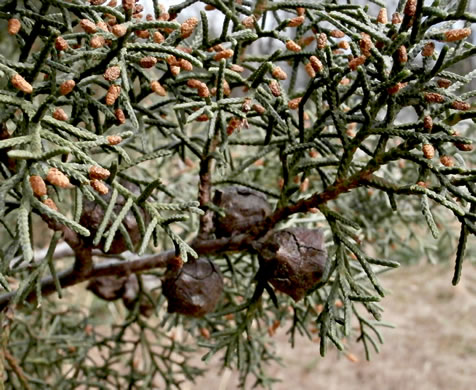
{"x":432,"y":347}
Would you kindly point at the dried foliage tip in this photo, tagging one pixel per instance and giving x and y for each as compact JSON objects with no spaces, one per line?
{"x":433,"y":97}
{"x":158,"y":88}
{"x":148,"y":62}
{"x":249,"y":21}
{"x":428,"y":122}
{"x":337,"y":34}
{"x":402,"y":54}
{"x":396,"y":18}
{"x":428,"y":151}
{"x":443,"y":83}
{"x":57,"y":178}
{"x":88,"y":26}
{"x":228,"y":53}
{"x":60,"y":114}
{"x":50,"y":203}
{"x":158,"y":37}
{"x":279,"y":73}
{"x":115,"y":139}
{"x":112,"y":73}
{"x":447,"y":161}
{"x":61,"y":44}
{"x":292,"y":46}
{"x":259,"y":109}
{"x":310,"y":70}
{"x":410,"y":8}
{"x":356,"y":62}
{"x":112,"y":94}
{"x":460,"y":105}
{"x":38,"y":186}
{"x":96,"y":172}
{"x":365,"y":45}
{"x":187,"y":27}
{"x":67,"y":86}
{"x":14,"y":26}
{"x":316,"y":64}
{"x":294,"y":103}
{"x":119,"y":30}
{"x":99,"y":186}
{"x":428,"y":49}
{"x":203,"y":90}
{"x":457,"y":35}
{"x":295,"y":22}
{"x":21,"y":84}
{"x":97,"y":41}
{"x":321,"y":41}
{"x":275,"y":88}
{"x":382,"y":16}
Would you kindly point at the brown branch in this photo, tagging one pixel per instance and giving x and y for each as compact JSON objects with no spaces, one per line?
{"x":16,"y":368}
{"x":84,"y":267}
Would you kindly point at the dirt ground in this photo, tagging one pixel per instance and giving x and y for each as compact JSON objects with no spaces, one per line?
{"x":432,"y":347}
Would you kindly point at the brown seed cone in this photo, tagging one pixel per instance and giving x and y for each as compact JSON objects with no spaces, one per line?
{"x":447,"y":161}
{"x":428,"y":151}
{"x":50,"y":203}
{"x":203,"y":90}
{"x":464,"y":147}
{"x":21,"y":84}
{"x":112,"y":73}
{"x":99,"y":186}
{"x":292,"y":260}
{"x":38,"y":186}
{"x":275,"y":88}
{"x":112,"y":94}
{"x":433,"y":97}
{"x":237,"y":68}
{"x":185,"y":65}
{"x":460,"y":105}
{"x":158,"y":88}
{"x":114,"y":139}
{"x":14,"y":26}
{"x":172,"y":61}
{"x":147,"y":62}
{"x":294,"y":104}
{"x":337,"y":34}
{"x":306,"y":41}
{"x":443,"y":83}
{"x":88,"y":26}
{"x":121,"y":119}
{"x":66,"y":87}
{"x":195,"y":289}
{"x":218,"y":48}
{"x":97,"y":41}
{"x":249,"y":21}
{"x":98,"y":2}
{"x":100,"y":173}
{"x":158,"y":37}
{"x":103,"y":26}
{"x":310,"y":70}
{"x":243,"y":207}
{"x":279,"y":73}
{"x":119,"y":30}
{"x":457,"y":35}
{"x":109,"y":287}
{"x":228,"y":53}
{"x":295,"y":22}
{"x":292,"y":46}
{"x":321,"y":41}
{"x":396,"y":18}
{"x":300,"y":11}
{"x":209,"y":7}
{"x":316,"y":64}
{"x":57,"y":178}
{"x":365,"y":45}
{"x":60,"y":115}
{"x":382,"y":16}
{"x":428,"y":49}
{"x":175,"y":70}
{"x":61,"y":44}
{"x":187,"y":27}
{"x":402,"y":54}
{"x":428,"y":122}
{"x":410,"y":7}
{"x":356,"y":62}
{"x":226,"y":88}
